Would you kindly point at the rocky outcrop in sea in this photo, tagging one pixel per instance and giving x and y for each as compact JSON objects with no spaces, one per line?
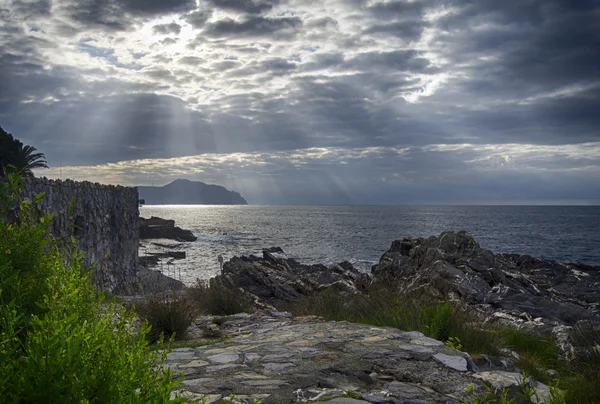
{"x":157,"y":228}
{"x":516,"y":288}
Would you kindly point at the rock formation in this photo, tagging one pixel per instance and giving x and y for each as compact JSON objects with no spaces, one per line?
{"x":517,"y":288}
{"x":276,"y":278}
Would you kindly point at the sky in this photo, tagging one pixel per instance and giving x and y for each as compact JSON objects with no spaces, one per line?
{"x":312,"y":102}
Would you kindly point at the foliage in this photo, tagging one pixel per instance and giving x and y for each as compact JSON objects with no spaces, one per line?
{"x":486,"y":397}
{"x":58,"y":342}
{"x":167,"y":315}
{"x":454,"y":342}
{"x":386,"y":307}
{"x":217,"y":299}
{"x":16,"y":157}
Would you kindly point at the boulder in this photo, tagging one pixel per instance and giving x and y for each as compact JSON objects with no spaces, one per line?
{"x":276,"y":278}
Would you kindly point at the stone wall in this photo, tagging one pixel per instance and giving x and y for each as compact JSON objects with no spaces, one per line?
{"x":104,"y":219}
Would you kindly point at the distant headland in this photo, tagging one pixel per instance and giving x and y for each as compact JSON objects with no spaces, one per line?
{"x":186,"y":192}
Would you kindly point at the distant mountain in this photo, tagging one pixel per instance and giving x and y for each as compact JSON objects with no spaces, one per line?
{"x":186,"y":192}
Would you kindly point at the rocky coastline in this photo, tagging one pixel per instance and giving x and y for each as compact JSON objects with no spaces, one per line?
{"x":518,"y":289}
{"x":273,"y":356}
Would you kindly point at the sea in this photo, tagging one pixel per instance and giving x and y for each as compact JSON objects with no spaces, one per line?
{"x":361,"y":234}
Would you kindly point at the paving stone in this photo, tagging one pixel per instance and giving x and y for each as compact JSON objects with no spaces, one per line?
{"x":277,"y":367}
{"x":318,"y":360}
{"x":264,"y":384}
{"x":251,"y":357}
{"x":181,"y":354}
{"x":248,"y":375}
{"x":217,"y":368}
{"x":455,"y":362}
{"x":225,"y":357}
{"x":194,"y":364}
{"x":277,"y":358}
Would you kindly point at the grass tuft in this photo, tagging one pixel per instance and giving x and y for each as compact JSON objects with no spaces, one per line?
{"x":217,"y":300}
{"x":168,"y":316}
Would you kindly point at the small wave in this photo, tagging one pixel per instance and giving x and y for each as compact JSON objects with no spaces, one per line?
{"x":224,"y":238}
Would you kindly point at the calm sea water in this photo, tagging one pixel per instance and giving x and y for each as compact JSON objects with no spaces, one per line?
{"x":360,"y":234}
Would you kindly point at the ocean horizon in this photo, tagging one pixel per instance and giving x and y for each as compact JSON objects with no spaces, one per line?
{"x":360,"y":234}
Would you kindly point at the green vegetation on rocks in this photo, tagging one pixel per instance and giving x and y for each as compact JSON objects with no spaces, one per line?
{"x":535,"y":354}
{"x":59,"y":343}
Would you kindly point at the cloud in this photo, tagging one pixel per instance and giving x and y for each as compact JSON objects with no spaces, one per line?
{"x":404,"y":84}
{"x":166,"y":29}
{"x":245,"y":6}
{"x":198,"y":18}
{"x":285,"y":27}
{"x":464,"y":173}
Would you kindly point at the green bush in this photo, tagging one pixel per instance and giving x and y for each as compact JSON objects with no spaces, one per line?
{"x":217,"y":299}
{"x":58,"y":342}
{"x":168,"y":316}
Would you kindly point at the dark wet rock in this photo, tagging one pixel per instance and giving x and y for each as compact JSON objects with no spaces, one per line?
{"x":178,"y":255}
{"x":511,"y":287}
{"x":155,"y":228}
{"x":276,"y":278}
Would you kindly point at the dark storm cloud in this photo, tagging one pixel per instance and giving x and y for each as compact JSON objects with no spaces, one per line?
{"x":146,"y":7}
{"x":198,"y":18}
{"x":407,"y":30}
{"x":402,"y":60}
{"x":285,"y":27}
{"x":245,"y":6}
{"x":112,"y":14}
{"x":31,"y":8}
{"x":536,"y":48}
{"x":166,"y":29}
{"x":105,"y":14}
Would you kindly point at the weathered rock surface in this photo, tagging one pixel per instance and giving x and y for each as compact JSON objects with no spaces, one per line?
{"x":277,"y":358}
{"x":517,"y":288}
{"x":276,"y":278}
{"x":156,"y":227}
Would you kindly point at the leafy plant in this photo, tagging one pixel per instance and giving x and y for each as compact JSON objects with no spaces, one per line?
{"x":59,"y":342}
{"x":486,"y":397}
{"x":454,"y":342}
{"x":18,"y":158}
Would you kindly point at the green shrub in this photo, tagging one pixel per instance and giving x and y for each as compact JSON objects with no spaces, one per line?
{"x":58,"y":342}
{"x":217,"y":300}
{"x":167,"y":316}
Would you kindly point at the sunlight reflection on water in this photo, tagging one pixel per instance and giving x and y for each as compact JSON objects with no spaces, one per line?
{"x":360,"y":234}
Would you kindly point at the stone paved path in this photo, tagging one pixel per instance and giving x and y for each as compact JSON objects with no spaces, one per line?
{"x":279,"y":359}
